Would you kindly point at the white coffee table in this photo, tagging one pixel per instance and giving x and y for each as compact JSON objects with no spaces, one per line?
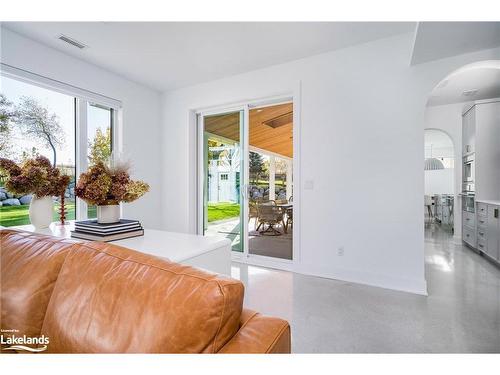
{"x":210,"y":253}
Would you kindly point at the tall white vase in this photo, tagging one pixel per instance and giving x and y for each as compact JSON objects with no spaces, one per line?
{"x":41,"y":211}
{"x":108,"y":214}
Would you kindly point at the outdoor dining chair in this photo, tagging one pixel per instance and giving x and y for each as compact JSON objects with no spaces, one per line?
{"x":271,"y":215}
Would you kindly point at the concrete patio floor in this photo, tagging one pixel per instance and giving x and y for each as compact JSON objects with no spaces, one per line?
{"x":259,"y":244}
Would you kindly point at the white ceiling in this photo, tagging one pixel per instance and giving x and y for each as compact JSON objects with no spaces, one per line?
{"x":437,"y":40}
{"x":482,"y":76}
{"x":167,"y":55}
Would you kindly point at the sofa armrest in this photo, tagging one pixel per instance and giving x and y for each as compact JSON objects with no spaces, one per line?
{"x":259,"y":334}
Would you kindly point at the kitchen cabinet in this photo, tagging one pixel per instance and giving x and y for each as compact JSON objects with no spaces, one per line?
{"x":469,"y":236}
{"x":481,"y":221}
{"x":482,"y":209}
{"x":487,"y":151}
{"x":469,"y":131}
{"x":469,"y":219}
{"x":481,"y":230}
{"x":481,"y":178}
{"x":493,"y":233}
{"x":469,"y":228}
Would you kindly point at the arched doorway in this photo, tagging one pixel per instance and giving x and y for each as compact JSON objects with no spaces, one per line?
{"x":447,"y":102}
{"x":439,"y":170}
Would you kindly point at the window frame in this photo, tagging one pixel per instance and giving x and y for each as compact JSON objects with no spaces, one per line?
{"x":81,"y":150}
{"x":83,"y":99}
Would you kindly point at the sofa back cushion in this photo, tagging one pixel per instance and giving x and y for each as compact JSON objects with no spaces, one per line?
{"x":30,"y":264}
{"x":111,"y":299}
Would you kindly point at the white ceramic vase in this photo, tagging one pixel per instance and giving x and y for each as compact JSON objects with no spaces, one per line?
{"x":108,"y":214}
{"x":41,"y":211}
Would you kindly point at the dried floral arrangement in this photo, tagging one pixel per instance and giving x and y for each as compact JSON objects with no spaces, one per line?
{"x":108,"y":185}
{"x":34,"y":176}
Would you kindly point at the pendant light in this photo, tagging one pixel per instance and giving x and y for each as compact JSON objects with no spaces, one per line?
{"x":432,"y":164}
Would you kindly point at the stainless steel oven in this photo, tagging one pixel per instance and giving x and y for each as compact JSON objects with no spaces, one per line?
{"x":468,"y":188}
{"x":468,"y":170}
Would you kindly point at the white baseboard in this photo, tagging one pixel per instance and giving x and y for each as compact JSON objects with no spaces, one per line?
{"x":381,"y":281}
{"x":352,"y":276}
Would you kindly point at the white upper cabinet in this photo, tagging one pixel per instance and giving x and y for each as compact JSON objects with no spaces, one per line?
{"x":487,"y":150}
{"x":469,"y":131}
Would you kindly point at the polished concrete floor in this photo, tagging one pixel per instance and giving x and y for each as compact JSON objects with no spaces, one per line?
{"x":461,"y":313}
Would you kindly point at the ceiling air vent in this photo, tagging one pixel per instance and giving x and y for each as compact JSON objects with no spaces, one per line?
{"x":73,"y":42}
{"x":278,"y":121}
{"x":470,"y":92}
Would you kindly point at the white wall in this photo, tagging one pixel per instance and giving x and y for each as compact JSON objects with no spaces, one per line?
{"x":438,"y":144}
{"x":448,"y":118}
{"x":141,"y":111}
{"x":440,"y":181}
{"x":360,"y":106}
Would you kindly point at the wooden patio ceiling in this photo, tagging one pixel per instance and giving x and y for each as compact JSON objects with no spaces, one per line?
{"x":271,"y":128}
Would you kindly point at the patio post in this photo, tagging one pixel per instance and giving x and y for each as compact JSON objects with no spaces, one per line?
{"x":272,"y":175}
{"x":289,"y":175}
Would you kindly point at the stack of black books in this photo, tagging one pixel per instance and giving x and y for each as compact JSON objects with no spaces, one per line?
{"x":92,"y":230}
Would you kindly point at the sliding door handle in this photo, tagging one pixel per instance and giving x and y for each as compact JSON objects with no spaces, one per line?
{"x":245,"y":192}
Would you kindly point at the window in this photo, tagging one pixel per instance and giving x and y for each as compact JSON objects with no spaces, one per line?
{"x":99,"y":131}
{"x":224,"y":177}
{"x":63,"y":144}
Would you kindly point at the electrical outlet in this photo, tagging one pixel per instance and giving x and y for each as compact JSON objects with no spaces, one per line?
{"x":340,"y":251}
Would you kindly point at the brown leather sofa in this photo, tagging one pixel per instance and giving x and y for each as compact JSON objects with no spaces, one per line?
{"x":92,"y":297}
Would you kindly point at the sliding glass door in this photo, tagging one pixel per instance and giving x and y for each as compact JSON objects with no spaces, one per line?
{"x":245,"y":180}
{"x":221,"y":176}
{"x":270,"y":195}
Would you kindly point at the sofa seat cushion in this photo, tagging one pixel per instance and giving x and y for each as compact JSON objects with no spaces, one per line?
{"x":111,"y":299}
{"x":30,"y":265}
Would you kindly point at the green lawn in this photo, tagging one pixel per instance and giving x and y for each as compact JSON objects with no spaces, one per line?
{"x":18,"y":215}
{"x":220,"y":211}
